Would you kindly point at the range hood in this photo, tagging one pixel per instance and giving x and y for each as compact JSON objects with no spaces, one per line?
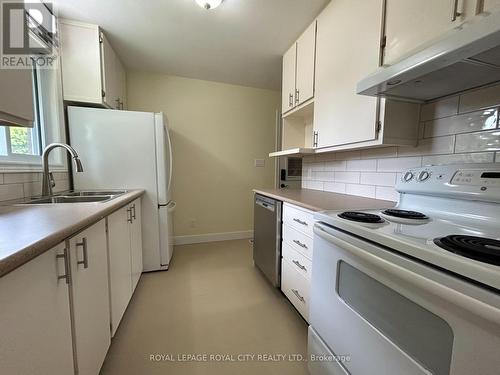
{"x":464,"y":58}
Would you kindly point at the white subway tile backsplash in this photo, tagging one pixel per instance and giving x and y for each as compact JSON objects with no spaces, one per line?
{"x":11,"y":191}
{"x":466,"y":123}
{"x":442,"y":108}
{"x":322,"y":176}
{"x":334,"y":187}
{"x":378,"y":178}
{"x":378,"y":153}
{"x":481,"y":98}
{"x":348,"y":155}
{"x":430,"y":146}
{"x":362,"y":165}
{"x":24,"y":185}
{"x":398,"y":164}
{"x":445,"y":137}
{"x":478,"y":157}
{"x":336,"y":165}
{"x":323,"y":157}
{"x":480,"y":141}
{"x":360,"y":190}
{"x":347,"y":177}
{"x":386,"y":193}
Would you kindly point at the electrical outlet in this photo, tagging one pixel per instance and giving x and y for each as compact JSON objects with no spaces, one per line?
{"x":259,"y":163}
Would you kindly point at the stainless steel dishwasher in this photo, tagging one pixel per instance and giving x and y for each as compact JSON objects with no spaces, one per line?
{"x":267,"y":237}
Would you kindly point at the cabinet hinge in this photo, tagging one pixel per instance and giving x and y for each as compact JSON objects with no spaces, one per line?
{"x":383,"y":42}
{"x":378,"y":127}
{"x":103,"y":93}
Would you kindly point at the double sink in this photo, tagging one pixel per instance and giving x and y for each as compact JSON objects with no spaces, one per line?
{"x":85,"y":196}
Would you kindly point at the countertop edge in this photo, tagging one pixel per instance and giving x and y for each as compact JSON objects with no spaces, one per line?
{"x":31,"y":251}
{"x":288,"y":200}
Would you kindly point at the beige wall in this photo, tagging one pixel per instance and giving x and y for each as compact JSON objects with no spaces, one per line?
{"x":217,"y":132}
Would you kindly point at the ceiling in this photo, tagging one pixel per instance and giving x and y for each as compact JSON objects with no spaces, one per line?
{"x":241,"y":42}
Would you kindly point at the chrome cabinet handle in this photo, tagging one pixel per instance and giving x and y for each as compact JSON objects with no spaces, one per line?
{"x":290,"y":100}
{"x":297,"y":263}
{"x":300,"y":221}
{"x":297,"y":95}
{"x":302,"y":245}
{"x":296,"y":292}
{"x":133,"y":211}
{"x":85,"y":260}
{"x":129,"y":215}
{"x":66,"y":275}
{"x":455,"y":13}
{"x":315,"y":139}
{"x":117,"y":103}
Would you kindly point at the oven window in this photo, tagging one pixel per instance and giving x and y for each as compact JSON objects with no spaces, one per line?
{"x":422,"y":335}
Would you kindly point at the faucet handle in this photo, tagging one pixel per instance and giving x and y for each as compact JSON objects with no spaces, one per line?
{"x":52,"y":181}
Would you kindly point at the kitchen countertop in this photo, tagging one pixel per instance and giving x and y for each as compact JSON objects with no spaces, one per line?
{"x":316,"y":200}
{"x":27,"y":231}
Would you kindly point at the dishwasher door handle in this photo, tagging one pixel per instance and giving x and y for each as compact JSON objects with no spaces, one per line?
{"x":266,"y":205}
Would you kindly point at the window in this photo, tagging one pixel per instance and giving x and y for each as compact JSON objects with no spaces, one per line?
{"x":21,"y":148}
{"x":18,"y":143}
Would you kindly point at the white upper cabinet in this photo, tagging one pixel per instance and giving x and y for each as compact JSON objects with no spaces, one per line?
{"x":298,"y":70}
{"x":489,"y":6}
{"x":35,"y":323}
{"x":288,"y":89}
{"x":409,"y":24}
{"x":343,"y":119}
{"x":306,"y":53}
{"x":92,"y":72}
{"x":16,"y":102}
{"x":91,"y":310}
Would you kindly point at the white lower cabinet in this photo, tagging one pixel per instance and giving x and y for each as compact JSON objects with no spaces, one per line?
{"x":297,"y":253}
{"x":136,"y":242}
{"x":35,"y":324}
{"x":125,"y":258}
{"x":89,"y":273}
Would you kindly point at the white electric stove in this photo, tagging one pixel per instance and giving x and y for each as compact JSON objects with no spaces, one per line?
{"x":414,"y":289}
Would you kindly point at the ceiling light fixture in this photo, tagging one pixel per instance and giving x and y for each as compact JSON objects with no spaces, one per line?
{"x":209,"y":4}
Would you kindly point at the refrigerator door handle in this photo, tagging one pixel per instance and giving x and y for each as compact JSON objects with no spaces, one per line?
{"x":170,"y":158}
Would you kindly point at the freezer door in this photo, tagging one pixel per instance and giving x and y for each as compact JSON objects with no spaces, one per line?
{"x":163,"y":158}
{"x":166,"y":233}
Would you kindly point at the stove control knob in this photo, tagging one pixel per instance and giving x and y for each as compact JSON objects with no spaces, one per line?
{"x":424,"y":176}
{"x":408,"y":176}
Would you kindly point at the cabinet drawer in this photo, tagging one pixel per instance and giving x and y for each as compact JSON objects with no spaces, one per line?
{"x":299,"y":219}
{"x":300,"y":262}
{"x":298,"y":241}
{"x":296,"y":288}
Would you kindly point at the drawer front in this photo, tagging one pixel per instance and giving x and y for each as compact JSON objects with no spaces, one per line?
{"x":300,"y":262}
{"x":298,"y":241}
{"x":299,"y":219}
{"x":296,"y":288}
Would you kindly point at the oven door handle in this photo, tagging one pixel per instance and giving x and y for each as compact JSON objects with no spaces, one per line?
{"x":472,"y":305}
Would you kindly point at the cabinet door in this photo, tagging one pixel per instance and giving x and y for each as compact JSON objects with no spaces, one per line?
{"x":35,"y":325}
{"x":91,"y":315}
{"x":81,"y":62}
{"x":136,"y":242}
{"x":120,"y":272}
{"x":306,"y":53}
{"x":16,"y":102}
{"x":289,"y":73}
{"x":109,"y":75}
{"x":341,"y":116}
{"x":410,"y":23}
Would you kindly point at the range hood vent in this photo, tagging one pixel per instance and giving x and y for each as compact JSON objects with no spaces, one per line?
{"x":464,"y":58}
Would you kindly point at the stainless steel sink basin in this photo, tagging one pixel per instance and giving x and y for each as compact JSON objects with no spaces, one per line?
{"x":72,"y":199}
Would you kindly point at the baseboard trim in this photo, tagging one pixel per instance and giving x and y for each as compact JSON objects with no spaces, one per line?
{"x":212,"y":237}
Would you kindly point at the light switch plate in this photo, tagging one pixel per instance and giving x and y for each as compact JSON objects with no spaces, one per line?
{"x":259,"y":163}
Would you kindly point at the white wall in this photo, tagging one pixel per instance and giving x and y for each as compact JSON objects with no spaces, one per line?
{"x":217,"y":132}
{"x":458,"y":129}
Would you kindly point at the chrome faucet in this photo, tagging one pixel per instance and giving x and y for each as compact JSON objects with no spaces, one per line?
{"x":47,"y":181}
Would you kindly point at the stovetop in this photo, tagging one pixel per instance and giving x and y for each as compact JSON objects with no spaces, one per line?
{"x":458,"y":233}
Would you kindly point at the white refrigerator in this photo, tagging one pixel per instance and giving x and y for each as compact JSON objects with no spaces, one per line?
{"x":129,"y":150}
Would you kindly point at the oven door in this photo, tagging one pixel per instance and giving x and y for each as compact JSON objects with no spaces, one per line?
{"x":387,"y":314}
